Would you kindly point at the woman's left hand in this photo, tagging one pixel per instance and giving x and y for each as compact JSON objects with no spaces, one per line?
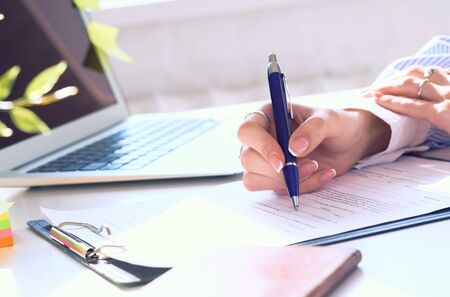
{"x":418,"y":93}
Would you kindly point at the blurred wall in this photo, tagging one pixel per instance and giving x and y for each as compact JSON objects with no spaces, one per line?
{"x":191,"y":54}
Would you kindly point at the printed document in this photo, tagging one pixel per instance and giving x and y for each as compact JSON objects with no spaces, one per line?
{"x":230,"y":215}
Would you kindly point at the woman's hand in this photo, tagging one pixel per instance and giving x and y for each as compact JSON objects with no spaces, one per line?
{"x":326,"y":142}
{"x":412,"y":95}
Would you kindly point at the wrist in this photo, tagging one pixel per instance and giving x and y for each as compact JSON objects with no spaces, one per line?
{"x":375,"y":134}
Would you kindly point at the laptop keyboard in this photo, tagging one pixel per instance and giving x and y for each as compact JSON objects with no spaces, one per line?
{"x":131,"y":148}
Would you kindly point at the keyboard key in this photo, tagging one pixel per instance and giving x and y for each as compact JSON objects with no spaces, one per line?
{"x":89,"y":159}
{"x":93,"y":166}
{"x":72,"y":167}
{"x":107,"y":159}
{"x":48,"y":169}
{"x":121,"y":160}
{"x":111,"y":167}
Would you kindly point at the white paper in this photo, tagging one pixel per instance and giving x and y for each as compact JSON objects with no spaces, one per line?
{"x":231,"y":216}
{"x":378,"y":194}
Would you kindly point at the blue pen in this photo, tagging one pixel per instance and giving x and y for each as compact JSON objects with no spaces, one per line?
{"x":283,"y":123}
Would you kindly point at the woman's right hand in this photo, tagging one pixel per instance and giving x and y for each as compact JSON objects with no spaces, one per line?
{"x":326,"y":142}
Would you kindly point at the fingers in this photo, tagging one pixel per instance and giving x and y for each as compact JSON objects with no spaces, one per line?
{"x":254,"y":133}
{"x":312,"y":132}
{"x":408,"y":83}
{"x":260,"y":118}
{"x":258,"y":182}
{"x":263,"y":159}
{"x":253,"y":162}
{"x":437,"y":75}
{"x":409,"y":87}
{"x":259,"y":175}
{"x":440,"y":77}
{"x":437,"y":114}
{"x":442,"y":119}
{"x":434,"y":74}
{"x":416,"y":108}
{"x":317,"y":180}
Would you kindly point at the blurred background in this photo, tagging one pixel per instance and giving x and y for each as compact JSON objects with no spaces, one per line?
{"x":193,"y":54}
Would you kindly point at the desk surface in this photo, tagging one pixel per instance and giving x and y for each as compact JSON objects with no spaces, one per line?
{"x":410,"y":262}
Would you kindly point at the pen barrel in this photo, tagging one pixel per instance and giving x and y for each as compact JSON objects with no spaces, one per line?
{"x":281,"y":114}
{"x":283,"y":124}
{"x":290,"y":172}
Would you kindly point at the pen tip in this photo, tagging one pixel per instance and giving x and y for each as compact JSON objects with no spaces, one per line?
{"x":295,"y":202}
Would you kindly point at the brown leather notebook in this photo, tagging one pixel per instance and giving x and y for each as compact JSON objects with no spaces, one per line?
{"x":283,"y":271}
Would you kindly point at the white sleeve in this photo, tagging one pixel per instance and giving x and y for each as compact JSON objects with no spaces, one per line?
{"x":407,"y":134}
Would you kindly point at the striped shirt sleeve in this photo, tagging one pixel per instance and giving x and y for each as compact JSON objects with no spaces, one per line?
{"x":436,"y":52}
{"x":410,"y":134}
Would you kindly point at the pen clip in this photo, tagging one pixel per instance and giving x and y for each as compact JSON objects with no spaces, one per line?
{"x":288,"y":95}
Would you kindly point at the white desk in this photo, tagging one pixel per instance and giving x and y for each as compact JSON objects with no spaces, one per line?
{"x":411,"y":262}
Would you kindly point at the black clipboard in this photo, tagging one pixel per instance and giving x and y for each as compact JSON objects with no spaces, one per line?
{"x":432,"y":217}
{"x":120,"y":273}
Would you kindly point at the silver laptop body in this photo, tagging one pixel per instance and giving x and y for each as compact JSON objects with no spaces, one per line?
{"x":204,"y":143}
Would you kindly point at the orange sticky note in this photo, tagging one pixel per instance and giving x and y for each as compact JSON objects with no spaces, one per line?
{"x":7,"y":241}
{"x":6,"y":238}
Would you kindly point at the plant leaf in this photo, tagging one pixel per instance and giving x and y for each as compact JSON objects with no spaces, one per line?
{"x":27,"y":121}
{"x":4,"y":130}
{"x":7,"y":81}
{"x":104,"y":37}
{"x":87,"y":4}
{"x":44,"y":82}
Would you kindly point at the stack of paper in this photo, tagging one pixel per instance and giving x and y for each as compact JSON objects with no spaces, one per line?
{"x":6,"y":235}
{"x":229,"y":215}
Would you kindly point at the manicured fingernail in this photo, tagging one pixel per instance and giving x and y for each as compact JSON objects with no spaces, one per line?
{"x":298,"y":145}
{"x":308,"y":168}
{"x":275,"y":162}
{"x":328,"y":175}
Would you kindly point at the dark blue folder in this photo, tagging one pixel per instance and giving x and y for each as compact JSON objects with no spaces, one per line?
{"x":432,"y":217}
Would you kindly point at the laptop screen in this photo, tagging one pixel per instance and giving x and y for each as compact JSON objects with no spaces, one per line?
{"x":38,"y":34}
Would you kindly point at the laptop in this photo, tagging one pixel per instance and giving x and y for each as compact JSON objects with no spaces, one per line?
{"x":93,"y":137}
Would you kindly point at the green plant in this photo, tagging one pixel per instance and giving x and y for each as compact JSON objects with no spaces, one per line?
{"x":37,"y":93}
